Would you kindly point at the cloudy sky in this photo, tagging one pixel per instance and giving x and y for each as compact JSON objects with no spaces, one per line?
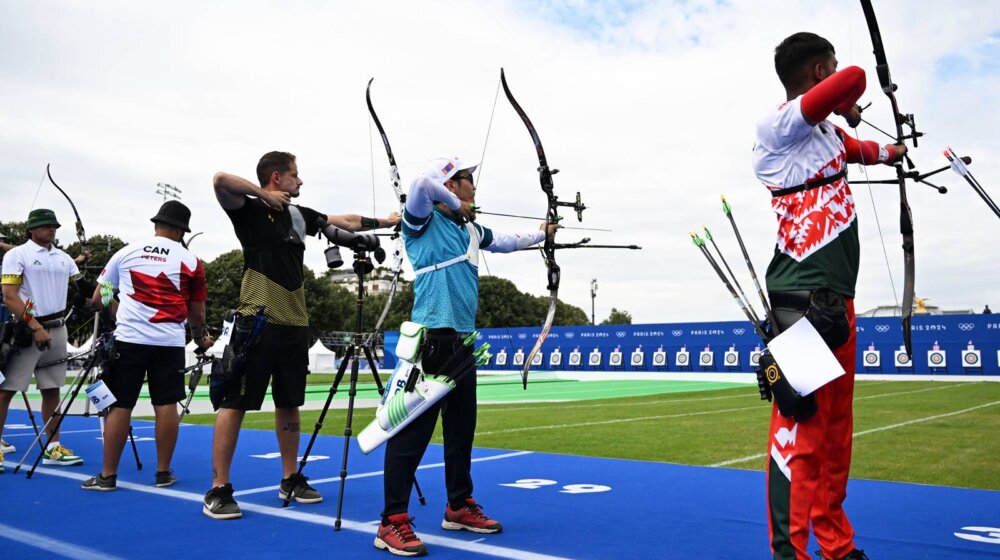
{"x":647,"y":108}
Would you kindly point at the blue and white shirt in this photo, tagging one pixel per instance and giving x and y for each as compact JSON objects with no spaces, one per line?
{"x":448,"y":297}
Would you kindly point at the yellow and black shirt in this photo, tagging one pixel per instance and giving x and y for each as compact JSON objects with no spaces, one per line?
{"x":273,"y":249}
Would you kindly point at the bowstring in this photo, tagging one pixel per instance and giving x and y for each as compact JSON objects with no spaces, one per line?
{"x":489,"y":127}
{"x":38,"y":191}
{"x":479,"y":172}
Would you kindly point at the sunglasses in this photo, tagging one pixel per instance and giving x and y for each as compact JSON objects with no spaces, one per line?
{"x":460,"y":176}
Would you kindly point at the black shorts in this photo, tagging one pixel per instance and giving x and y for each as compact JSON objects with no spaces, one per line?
{"x":281,"y":352}
{"x":162,"y":365}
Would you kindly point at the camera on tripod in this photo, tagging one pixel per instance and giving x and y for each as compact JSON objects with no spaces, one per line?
{"x":357,"y":242}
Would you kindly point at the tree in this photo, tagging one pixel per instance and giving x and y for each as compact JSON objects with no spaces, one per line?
{"x":331,"y":307}
{"x":618,"y":318}
{"x":501,"y":304}
{"x":223,"y":277}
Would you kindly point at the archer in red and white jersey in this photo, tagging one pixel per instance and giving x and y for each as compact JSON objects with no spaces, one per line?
{"x":801,"y":157}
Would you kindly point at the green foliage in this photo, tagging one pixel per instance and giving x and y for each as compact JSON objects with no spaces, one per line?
{"x":501,"y":305}
{"x":618,"y":318}
{"x":223,"y":276}
{"x":15,"y":232}
{"x":331,"y":307}
{"x":399,"y":311}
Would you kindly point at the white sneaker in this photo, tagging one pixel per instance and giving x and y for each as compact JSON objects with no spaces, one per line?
{"x":6,"y":447}
{"x":59,"y":455}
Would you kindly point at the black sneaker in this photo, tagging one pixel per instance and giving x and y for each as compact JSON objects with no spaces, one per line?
{"x":219,"y":503}
{"x":296,"y":488}
{"x":165,"y":478}
{"x":101,"y":483}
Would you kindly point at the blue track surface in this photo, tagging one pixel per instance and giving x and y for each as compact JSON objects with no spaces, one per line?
{"x":550,"y":505}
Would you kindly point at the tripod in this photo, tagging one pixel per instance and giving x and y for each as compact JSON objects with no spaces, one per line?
{"x":98,"y":353}
{"x":362,"y":265}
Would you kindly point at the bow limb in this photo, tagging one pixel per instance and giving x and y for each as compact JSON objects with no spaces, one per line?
{"x":551,"y":217}
{"x":905,"y":215}
{"x":397,"y":253}
{"x":81,"y":235}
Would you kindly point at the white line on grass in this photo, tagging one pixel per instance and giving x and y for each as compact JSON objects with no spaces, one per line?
{"x":379,"y":473}
{"x":924,"y":390}
{"x":865,"y":432}
{"x":314,"y":518}
{"x":493,"y":407}
{"x":615,"y":421}
{"x":50,"y":546}
{"x":490,"y":407}
{"x":663,"y":416}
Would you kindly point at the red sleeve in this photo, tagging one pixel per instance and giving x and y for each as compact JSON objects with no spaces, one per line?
{"x":838,"y":92}
{"x":860,"y":151}
{"x":196,"y":287}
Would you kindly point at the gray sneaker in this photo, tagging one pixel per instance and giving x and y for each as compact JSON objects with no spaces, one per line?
{"x":101,"y":483}
{"x":6,"y":447}
{"x":165,"y":478}
{"x":296,"y":488}
{"x":219,"y":503}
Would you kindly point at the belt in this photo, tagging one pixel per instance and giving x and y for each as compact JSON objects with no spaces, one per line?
{"x":53,"y":320}
{"x":811,"y":184}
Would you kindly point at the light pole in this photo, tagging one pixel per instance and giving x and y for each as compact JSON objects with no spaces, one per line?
{"x":593,"y":295}
{"x":168,"y":191}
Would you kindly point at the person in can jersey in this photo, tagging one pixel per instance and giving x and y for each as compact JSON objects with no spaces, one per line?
{"x":160,"y":288}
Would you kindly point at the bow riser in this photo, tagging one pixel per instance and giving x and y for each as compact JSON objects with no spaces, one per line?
{"x":905,"y":214}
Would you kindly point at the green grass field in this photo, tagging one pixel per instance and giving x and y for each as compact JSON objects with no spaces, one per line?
{"x":942,"y":433}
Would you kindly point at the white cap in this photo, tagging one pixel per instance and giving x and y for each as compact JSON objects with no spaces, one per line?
{"x":443,"y":168}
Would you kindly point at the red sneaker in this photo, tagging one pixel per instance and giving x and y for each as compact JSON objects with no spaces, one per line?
{"x":398,"y":538}
{"x":470,"y":518}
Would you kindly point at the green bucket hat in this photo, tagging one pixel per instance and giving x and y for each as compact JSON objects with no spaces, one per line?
{"x":41,"y":217}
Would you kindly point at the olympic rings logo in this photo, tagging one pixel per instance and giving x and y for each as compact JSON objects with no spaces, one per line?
{"x":620,"y":334}
{"x":569,"y":335}
{"x":882,"y":328}
{"x":966,"y":326}
{"x":739,"y":332}
{"x":522,"y":336}
{"x":677,"y":332}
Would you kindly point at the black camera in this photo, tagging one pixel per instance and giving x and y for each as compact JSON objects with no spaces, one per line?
{"x":349,"y":239}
